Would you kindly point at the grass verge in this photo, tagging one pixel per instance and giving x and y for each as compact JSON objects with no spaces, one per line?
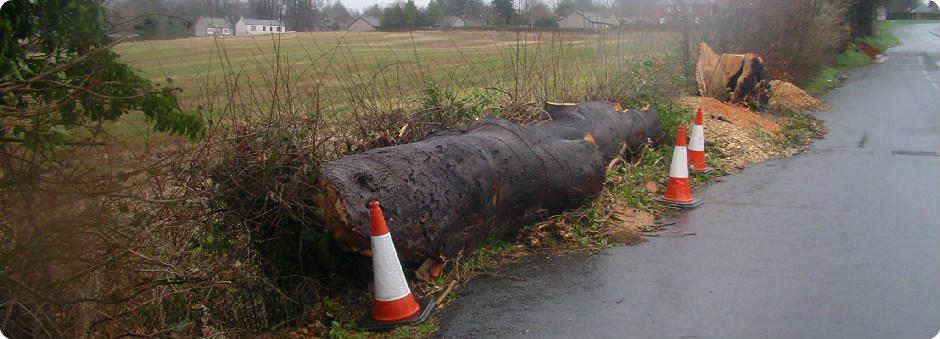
{"x":883,"y":39}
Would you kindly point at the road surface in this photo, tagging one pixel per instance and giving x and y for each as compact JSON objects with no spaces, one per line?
{"x":842,"y":241}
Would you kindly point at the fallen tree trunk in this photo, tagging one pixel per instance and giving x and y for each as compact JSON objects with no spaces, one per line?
{"x":453,"y":190}
{"x":732,"y":78}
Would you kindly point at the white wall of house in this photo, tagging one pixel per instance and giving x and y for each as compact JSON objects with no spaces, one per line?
{"x":574,"y":20}
{"x":242,"y":28}
{"x":459,"y":23}
{"x":360,"y":25}
{"x":202,"y":28}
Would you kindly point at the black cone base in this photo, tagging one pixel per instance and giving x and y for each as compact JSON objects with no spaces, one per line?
{"x":426,"y":304}
{"x":706,"y":171}
{"x":687,"y":205}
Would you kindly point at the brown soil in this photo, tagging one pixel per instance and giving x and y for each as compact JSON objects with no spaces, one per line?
{"x":630,"y":223}
{"x":741,"y":135}
{"x":785,"y":96}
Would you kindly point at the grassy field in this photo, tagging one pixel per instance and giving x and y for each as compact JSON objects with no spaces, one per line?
{"x":328,"y":65}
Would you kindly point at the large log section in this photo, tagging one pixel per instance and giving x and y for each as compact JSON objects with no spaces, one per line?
{"x":454,"y":189}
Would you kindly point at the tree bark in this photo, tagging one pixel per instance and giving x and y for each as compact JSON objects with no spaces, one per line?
{"x":452,"y":191}
{"x":732,"y":77}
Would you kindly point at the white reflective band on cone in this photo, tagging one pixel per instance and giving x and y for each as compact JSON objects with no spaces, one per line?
{"x":680,"y":163}
{"x":697,"y":142}
{"x":390,"y":283}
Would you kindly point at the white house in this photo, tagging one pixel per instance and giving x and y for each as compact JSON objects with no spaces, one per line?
{"x":365,"y":24}
{"x":247,"y":26}
{"x":212,"y":26}
{"x":589,"y":20}
{"x":453,"y":21}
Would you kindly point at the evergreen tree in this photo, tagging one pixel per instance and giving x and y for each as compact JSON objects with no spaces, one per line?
{"x":505,"y":12}
{"x":393,"y":17}
{"x":373,"y":11}
{"x":60,"y":81}
{"x":410,"y":18}
{"x":338,"y":13}
{"x":564,"y":8}
{"x":434,"y":14}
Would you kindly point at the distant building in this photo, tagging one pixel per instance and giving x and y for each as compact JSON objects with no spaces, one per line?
{"x":589,"y":20}
{"x":247,"y":26}
{"x":453,"y":21}
{"x":928,"y":11}
{"x":365,"y":24}
{"x":472,"y":23}
{"x":671,"y":12}
{"x":207,"y":26}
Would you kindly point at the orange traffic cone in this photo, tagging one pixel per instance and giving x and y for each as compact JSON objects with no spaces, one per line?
{"x":394,"y":305}
{"x":697,"y":146}
{"x":678,"y":193}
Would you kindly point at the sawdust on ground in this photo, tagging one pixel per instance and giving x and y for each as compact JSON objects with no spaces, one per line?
{"x":629,"y":223}
{"x":739,"y":116}
{"x":741,"y":135}
{"x":785,"y":96}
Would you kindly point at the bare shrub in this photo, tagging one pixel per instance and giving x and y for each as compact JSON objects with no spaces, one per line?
{"x":796,"y":38}
{"x":159,"y":237}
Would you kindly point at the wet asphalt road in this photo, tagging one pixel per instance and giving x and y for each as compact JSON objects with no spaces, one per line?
{"x":842,"y":241}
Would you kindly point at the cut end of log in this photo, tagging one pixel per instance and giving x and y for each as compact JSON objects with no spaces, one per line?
{"x":731,"y":77}
{"x":336,"y":217}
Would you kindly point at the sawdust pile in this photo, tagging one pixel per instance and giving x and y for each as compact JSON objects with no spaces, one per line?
{"x":785,"y":96}
{"x":742,"y":136}
{"x":629,"y":223}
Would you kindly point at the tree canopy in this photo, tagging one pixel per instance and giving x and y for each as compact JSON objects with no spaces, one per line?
{"x":434,"y":13}
{"x":410,"y":18}
{"x":505,"y":12}
{"x":564,"y":7}
{"x":393,"y":17}
{"x":59,"y":80}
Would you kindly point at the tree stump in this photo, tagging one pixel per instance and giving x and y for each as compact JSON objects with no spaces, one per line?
{"x":732,"y":78}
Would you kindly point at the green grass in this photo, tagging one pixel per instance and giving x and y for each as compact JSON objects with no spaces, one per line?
{"x":883,"y":39}
{"x":828,"y":77}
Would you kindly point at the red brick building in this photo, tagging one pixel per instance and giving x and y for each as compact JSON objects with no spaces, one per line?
{"x":671,"y":12}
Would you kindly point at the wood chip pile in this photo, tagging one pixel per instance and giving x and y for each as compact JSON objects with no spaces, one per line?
{"x":785,"y":96}
{"x":741,"y":135}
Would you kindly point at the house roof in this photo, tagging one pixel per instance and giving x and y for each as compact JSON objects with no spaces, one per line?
{"x":262,"y":22}
{"x":215,"y":22}
{"x":924,"y":9}
{"x":371,"y":20}
{"x":450,"y":20}
{"x":601,"y":18}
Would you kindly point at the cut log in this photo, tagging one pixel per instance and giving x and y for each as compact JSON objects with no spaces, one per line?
{"x":452,"y":191}
{"x":732,"y":78}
